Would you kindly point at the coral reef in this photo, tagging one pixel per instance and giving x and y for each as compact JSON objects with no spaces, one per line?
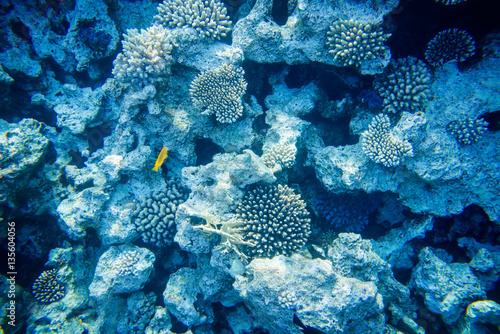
{"x":208,"y":17}
{"x":274,"y":219}
{"x":155,"y":216}
{"x":220,"y":92}
{"x":405,"y":85}
{"x":279,"y":156}
{"x":47,"y":288}
{"x":450,"y":44}
{"x":467,"y":131}
{"x":145,"y":58}
{"x":380,"y":145}
{"x":352,"y":42}
{"x":450,"y":2}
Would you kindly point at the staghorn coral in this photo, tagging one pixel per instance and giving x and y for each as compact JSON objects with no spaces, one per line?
{"x":352,"y":42}
{"x":208,"y":17}
{"x":155,"y":216}
{"x":46,"y":288}
{"x":450,"y":44}
{"x":281,"y":155}
{"x":405,"y":85}
{"x":274,"y":219}
{"x":220,"y":91}
{"x":379,"y":144}
{"x":145,"y":58}
{"x":467,"y":131}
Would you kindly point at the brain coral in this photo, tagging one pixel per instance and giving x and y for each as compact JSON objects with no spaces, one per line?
{"x":467,"y":131}
{"x":274,"y":219}
{"x":379,"y":144}
{"x":145,"y":58}
{"x":155,"y":216}
{"x":220,"y":91}
{"x":450,"y":44}
{"x":405,"y":85}
{"x":208,"y":17}
{"x":46,"y":288}
{"x":351,"y":42}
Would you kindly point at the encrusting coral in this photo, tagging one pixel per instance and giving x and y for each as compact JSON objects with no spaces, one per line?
{"x":125,"y":263}
{"x":155,"y":216}
{"x":145,"y":58}
{"x":46,"y":288}
{"x":208,"y":17}
{"x":274,"y":219}
{"x":450,"y":44}
{"x":352,"y":42}
{"x":220,"y":91}
{"x":404,"y":86}
{"x":379,"y":144}
{"x":467,"y":131}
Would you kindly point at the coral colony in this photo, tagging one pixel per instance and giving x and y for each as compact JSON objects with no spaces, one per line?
{"x":243,"y":166}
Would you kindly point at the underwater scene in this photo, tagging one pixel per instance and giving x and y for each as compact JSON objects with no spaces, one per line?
{"x":250,"y":166}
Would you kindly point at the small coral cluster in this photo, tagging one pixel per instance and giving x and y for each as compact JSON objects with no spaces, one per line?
{"x":208,"y":17}
{"x":450,"y":44}
{"x":281,"y":155}
{"x":46,"y":288}
{"x":405,"y":85}
{"x":274,"y":219}
{"x":351,"y":42}
{"x":155,"y":216}
{"x":379,"y":144}
{"x":145,"y":58}
{"x":467,"y":131}
{"x":220,"y":92}
{"x":125,"y":262}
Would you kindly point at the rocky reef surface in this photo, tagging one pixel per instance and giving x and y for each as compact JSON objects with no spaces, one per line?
{"x":249,"y":166}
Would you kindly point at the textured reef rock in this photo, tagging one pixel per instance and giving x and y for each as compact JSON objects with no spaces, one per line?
{"x":438,"y":159}
{"x":303,"y":38}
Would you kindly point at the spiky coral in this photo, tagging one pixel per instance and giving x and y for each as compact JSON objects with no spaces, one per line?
{"x":467,"y":131}
{"x":46,"y":288}
{"x":450,"y":44}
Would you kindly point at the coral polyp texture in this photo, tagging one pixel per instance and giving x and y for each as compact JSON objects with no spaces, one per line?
{"x":46,"y":288}
{"x":404,"y":86}
{"x":467,"y":131}
{"x":352,"y":42}
{"x":208,"y":17}
{"x":281,"y":155}
{"x":155,"y":216}
{"x":145,"y":58}
{"x":220,"y":92}
{"x":275,"y":220}
{"x":381,"y":146}
{"x":125,"y":263}
{"x":450,"y":44}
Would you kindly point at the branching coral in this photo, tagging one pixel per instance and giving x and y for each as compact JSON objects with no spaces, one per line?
{"x":280,"y":155}
{"x":145,"y":58}
{"x":450,"y":44}
{"x":208,"y":17}
{"x":220,"y":91}
{"x":467,"y":131}
{"x":274,"y":219}
{"x":405,"y":85}
{"x":352,"y":42}
{"x":155,"y":216}
{"x":379,"y":144}
{"x":46,"y":288}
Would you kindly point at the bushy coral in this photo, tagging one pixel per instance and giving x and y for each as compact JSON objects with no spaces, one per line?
{"x":468,"y":130}
{"x":405,"y":85}
{"x":450,"y":44}
{"x":155,"y":216}
{"x":348,"y":212}
{"x":208,"y":17}
{"x":380,"y":145}
{"x":281,"y":155}
{"x":46,"y":288}
{"x":220,"y":92}
{"x":145,"y":58}
{"x":274,"y":219}
{"x":352,"y":42}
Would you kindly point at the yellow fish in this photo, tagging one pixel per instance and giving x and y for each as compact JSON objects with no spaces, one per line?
{"x":161,"y":157}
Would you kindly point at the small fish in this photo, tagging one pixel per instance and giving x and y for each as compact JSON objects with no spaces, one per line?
{"x":161,"y":157}
{"x":305,"y":329}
